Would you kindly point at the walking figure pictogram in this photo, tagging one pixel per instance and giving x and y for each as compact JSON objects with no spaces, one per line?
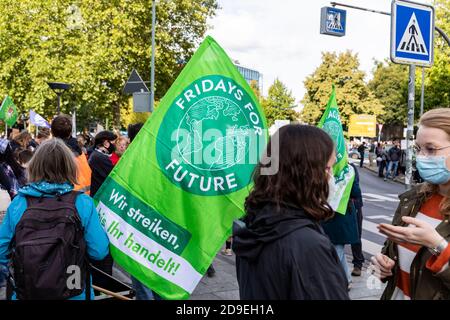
{"x":412,"y":40}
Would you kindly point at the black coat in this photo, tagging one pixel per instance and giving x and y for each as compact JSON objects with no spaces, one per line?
{"x":394,"y":154}
{"x":286,"y":256}
{"x":101,"y":167}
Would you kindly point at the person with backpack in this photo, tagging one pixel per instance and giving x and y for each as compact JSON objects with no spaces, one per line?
{"x":50,"y":231}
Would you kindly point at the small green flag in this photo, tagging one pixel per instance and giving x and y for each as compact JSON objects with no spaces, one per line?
{"x":169,"y":204}
{"x":344,"y":174}
{"x":8,"y":111}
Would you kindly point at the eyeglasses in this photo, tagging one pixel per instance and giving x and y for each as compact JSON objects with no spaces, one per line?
{"x":427,"y":151}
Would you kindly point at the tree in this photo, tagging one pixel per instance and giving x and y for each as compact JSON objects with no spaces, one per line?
{"x":390,"y":85}
{"x":255,"y":87}
{"x":390,"y":81}
{"x":353,"y":96}
{"x":93,"y":45}
{"x":278,"y":103}
{"x":437,"y":92}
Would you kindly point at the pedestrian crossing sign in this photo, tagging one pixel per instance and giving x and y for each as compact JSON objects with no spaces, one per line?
{"x":412,"y":29}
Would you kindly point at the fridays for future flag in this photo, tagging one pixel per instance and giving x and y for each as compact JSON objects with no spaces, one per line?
{"x":344,"y":174}
{"x":38,"y":120}
{"x":169,"y":204}
{"x":8,"y":111}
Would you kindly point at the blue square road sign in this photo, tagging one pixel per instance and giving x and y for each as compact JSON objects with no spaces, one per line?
{"x":332,"y":21}
{"x":412,"y":33}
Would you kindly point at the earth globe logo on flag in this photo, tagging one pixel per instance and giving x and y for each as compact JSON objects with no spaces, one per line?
{"x":334,"y":128}
{"x":211,"y":137}
{"x":221,"y":114}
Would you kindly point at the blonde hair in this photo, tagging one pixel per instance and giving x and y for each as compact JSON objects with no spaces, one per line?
{"x":121,"y":138}
{"x":438,"y":119}
{"x":53,"y":162}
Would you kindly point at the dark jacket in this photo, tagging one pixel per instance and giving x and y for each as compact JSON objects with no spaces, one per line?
{"x":362,"y":148}
{"x":101,"y":166}
{"x":424,"y":284}
{"x":343,"y":229}
{"x":356,"y":193}
{"x":379,"y":151}
{"x":394,"y":154}
{"x":72,"y":143}
{"x":286,"y":256}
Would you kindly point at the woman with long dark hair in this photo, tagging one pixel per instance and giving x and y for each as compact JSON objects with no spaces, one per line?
{"x":281,"y":249}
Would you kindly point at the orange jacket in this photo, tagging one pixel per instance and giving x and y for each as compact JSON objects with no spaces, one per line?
{"x":83,"y":174}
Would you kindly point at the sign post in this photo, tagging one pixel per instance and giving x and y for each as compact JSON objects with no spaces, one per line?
{"x":412,"y":26}
{"x":380,"y":127}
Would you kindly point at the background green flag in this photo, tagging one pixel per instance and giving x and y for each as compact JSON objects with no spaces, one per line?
{"x":169,"y":204}
{"x":343,"y":172}
{"x":8,"y":111}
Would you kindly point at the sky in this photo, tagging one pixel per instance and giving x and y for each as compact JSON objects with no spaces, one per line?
{"x":281,"y":39}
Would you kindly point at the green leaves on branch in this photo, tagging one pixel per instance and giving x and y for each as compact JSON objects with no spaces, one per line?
{"x":93,"y":45}
{"x":353,"y":95}
{"x":279,"y":104}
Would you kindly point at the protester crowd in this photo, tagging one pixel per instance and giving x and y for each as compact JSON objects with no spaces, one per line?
{"x":289,"y":245}
{"x":388,"y":156}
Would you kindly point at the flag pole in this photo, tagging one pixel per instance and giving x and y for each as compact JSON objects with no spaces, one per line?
{"x":6,"y":125}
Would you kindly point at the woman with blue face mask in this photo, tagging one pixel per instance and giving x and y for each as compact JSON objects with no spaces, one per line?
{"x":415,"y":259}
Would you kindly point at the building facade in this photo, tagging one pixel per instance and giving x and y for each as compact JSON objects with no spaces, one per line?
{"x":250,"y":75}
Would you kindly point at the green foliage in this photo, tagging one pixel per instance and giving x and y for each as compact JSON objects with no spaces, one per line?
{"x":93,"y":45}
{"x":437,"y":81}
{"x":352,"y":94}
{"x":254,"y":86}
{"x":390,"y":85}
{"x":390,"y":81}
{"x":278,"y":103}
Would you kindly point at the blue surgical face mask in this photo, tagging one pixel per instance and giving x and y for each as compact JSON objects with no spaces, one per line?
{"x":433,"y":169}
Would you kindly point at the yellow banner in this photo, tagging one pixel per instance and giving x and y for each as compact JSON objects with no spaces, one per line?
{"x":363,"y":125}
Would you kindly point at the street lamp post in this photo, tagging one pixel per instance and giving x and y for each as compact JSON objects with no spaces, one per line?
{"x":59,"y":88}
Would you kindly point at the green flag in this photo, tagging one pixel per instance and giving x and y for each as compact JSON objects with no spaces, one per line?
{"x":344,"y":174}
{"x":169,"y":204}
{"x":8,"y":111}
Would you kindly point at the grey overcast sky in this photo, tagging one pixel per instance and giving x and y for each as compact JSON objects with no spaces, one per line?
{"x":282,"y":38}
